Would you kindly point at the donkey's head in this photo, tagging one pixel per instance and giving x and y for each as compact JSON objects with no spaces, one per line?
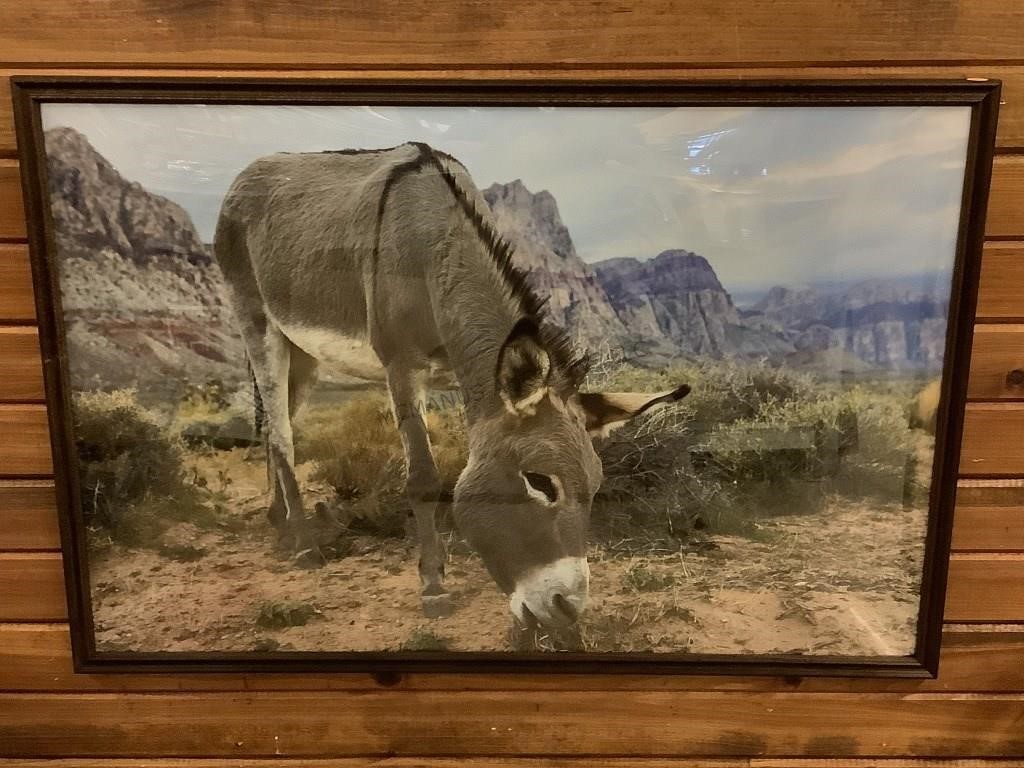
{"x":523,"y":500}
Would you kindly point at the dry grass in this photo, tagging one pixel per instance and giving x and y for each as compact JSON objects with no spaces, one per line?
{"x":749,"y":442}
{"x":358,"y":452}
{"x":134,"y":483}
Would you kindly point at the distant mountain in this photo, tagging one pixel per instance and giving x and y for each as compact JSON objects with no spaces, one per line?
{"x":889,"y":324}
{"x":576,"y":298}
{"x":676,"y":305}
{"x":141,"y":295}
{"x":143,"y":300}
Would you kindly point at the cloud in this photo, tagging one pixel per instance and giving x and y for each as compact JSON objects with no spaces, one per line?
{"x":769,"y":195}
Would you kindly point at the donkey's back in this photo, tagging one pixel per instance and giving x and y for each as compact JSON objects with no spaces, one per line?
{"x":299,"y":233}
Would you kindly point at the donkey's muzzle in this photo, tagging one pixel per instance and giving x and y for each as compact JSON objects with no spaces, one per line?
{"x":554,"y":595}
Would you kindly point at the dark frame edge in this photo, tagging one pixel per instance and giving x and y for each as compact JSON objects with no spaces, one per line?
{"x":953,"y":398}
{"x":30,"y":91}
{"x":32,"y":163}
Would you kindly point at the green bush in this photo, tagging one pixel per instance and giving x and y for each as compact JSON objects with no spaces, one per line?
{"x":748,"y":442}
{"x":133,"y":482}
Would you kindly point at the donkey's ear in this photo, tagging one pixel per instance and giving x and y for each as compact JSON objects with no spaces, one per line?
{"x":524,"y":368}
{"x":608,"y":410}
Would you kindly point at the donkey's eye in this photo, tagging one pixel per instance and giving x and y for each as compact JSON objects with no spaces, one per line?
{"x":541,"y":487}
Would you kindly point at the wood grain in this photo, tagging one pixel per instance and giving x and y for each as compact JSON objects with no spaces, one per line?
{"x":495,"y":723}
{"x":16,"y":300}
{"x":1000,"y":296}
{"x":989,"y":529}
{"x":1010,"y":134}
{"x":991,"y":444}
{"x":28,"y":515}
{"x":37,"y":657}
{"x":953,"y":717}
{"x":534,"y":762}
{"x":22,"y":366}
{"x":394,"y":33}
{"x":32,"y":588}
{"x":1001,"y":288}
{"x":12,"y":213}
{"x":1005,"y":211}
{"x":997,"y":363}
{"x":983,"y":588}
{"x":28,"y":519}
{"x":998,"y":350}
{"x":24,"y":442}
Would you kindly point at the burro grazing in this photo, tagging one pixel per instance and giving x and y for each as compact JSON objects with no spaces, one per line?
{"x":387,"y":265}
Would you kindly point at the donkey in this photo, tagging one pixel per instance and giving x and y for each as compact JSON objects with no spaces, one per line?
{"x":387,"y":264}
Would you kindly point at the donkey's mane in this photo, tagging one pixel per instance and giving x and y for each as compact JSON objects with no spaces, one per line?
{"x":565,"y":354}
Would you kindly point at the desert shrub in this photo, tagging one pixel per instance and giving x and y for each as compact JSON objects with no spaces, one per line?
{"x":425,"y":640}
{"x":357,"y":450}
{"x":748,"y":442}
{"x":281,"y":615}
{"x":133,"y":482}
{"x":723,"y":391}
{"x":641,"y":578}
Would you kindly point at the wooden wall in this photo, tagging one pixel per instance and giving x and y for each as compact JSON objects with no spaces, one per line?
{"x":976,"y":707}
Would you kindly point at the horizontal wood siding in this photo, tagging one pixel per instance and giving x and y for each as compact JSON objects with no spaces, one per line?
{"x":974,"y":709}
{"x":519,"y":32}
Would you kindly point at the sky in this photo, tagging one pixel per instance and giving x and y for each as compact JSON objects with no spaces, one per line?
{"x":769,"y":195}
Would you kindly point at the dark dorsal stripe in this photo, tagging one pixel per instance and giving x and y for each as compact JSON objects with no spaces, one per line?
{"x":566,"y":357}
{"x":350,"y":151}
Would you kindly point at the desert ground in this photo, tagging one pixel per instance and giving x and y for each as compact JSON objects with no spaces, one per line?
{"x":842,"y":581}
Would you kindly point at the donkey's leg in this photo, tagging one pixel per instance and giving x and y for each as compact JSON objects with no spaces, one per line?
{"x":301,"y":378}
{"x":422,"y":485}
{"x":272,"y":366}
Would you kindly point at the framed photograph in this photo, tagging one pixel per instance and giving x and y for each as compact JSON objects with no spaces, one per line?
{"x":649,"y":377}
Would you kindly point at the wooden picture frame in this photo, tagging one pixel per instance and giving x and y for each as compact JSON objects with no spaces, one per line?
{"x":31,"y":93}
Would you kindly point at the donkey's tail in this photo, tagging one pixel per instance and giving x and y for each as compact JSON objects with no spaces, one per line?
{"x":259,"y":415}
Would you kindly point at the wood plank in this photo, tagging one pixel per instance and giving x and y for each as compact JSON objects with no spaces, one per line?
{"x":12,"y":213}
{"x":23,"y":371}
{"x":991,"y":440}
{"x":28,"y":515}
{"x":1010,"y":131}
{"x":394,"y":33}
{"x":990,"y":529}
{"x":1000,"y":294}
{"x":24,"y":441}
{"x":461,"y":762}
{"x":1005,"y":213}
{"x":32,"y":588}
{"x":494,"y":723}
{"x":16,"y":300}
{"x":989,"y":516}
{"x":991,"y":444}
{"x":985,"y":588}
{"x":993,"y":522}
{"x":997,"y":357}
{"x":510,"y":762}
{"x":1005,"y":207}
{"x":998,"y":353}
{"x":37,"y":657}
{"x":997,"y":363}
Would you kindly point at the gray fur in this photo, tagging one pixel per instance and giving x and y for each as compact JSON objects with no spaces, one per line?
{"x":397,"y":248}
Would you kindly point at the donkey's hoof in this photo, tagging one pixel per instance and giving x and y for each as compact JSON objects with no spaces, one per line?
{"x":438,"y":606}
{"x":310,"y":558}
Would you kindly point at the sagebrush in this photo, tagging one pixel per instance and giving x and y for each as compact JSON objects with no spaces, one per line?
{"x":134,"y":483}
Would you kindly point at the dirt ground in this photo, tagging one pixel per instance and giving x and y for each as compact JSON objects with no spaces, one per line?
{"x":844,"y":581}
